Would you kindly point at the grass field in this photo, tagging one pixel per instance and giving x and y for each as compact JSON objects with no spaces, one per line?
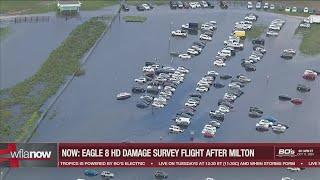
{"x":4,"y":31}
{"x":14,"y":7}
{"x":20,"y":105}
{"x":256,"y":31}
{"x":156,"y":2}
{"x":134,"y":18}
{"x":310,"y":44}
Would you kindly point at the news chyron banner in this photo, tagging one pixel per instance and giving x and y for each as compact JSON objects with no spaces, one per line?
{"x":160,"y":155}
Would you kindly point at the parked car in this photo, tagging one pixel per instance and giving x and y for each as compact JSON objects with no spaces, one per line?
{"x":249,"y":6}
{"x":125,"y":7}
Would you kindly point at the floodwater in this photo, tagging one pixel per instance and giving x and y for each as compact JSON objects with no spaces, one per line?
{"x":28,"y":45}
{"x":88,"y":111}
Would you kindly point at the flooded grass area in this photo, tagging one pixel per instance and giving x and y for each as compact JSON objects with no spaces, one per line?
{"x":156,"y":2}
{"x":310,"y":44}
{"x":256,"y":31}
{"x":15,"y":7}
{"x":62,"y":62}
{"x":4,"y":32}
{"x":135,"y":18}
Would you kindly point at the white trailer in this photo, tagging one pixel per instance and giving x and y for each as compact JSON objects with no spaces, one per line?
{"x":314,"y":19}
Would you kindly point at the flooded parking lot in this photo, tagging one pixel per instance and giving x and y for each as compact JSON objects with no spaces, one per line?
{"x":89,"y":112}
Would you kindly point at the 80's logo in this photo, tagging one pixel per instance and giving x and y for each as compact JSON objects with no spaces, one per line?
{"x":289,"y":152}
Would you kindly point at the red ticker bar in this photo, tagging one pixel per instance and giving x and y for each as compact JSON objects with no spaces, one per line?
{"x":189,"y":155}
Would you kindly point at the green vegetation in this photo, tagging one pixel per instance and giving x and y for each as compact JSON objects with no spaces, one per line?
{"x":4,"y":31}
{"x":156,"y":2}
{"x":19,"y":103}
{"x":310,"y":44}
{"x":282,"y":11}
{"x":97,"y":4}
{"x":42,"y":6}
{"x":135,"y":18}
{"x":256,"y":31}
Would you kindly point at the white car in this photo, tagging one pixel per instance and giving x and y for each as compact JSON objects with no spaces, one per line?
{"x":294,"y":9}
{"x":179,"y":33}
{"x":213,"y":73}
{"x":250,"y":18}
{"x":219,"y":63}
{"x":204,"y":4}
{"x":294,"y":169}
{"x":234,"y":86}
{"x":182,"y":69}
{"x":202,"y":89}
{"x":287,"y":9}
{"x":229,"y":96}
{"x":272,"y":33}
{"x":272,"y":6}
{"x":183,"y":121}
{"x":306,"y":10}
{"x":193,"y":51}
{"x":146,"y":6}
{"x":266,"y":6}
{"x":291,"y":51}
{"x":258,"y":5}
{"x":250,"y":6}
{"x":235,"y":45}
{"x":275,"y":27}
{"x":175,"y":129}
{"x":305,"y":25}
{"x":148,"y":69}
{"x":141,"y":80}
{"x":107,"y":174}
{"x":184,"y":56}
{"x":264,"y":121}
{"x":191,"y":104}
{"x":225,"y":53}
{"x":223,"y":109}
{"x":212,"y":22}
{"x":287,"y":178}
{"x":205,"y":37}
{"x":254,"y":58}
{"x":193,"y":5}
{"x":185,"y":26}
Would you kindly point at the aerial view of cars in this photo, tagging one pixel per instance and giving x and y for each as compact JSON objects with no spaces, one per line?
{"x":196,"y":71}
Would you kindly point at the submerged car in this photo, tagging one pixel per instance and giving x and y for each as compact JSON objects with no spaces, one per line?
{"x":90,"y":172}
{"x":160,"y":175}
{"x":303,"y":88}
{"x":107,"y":174}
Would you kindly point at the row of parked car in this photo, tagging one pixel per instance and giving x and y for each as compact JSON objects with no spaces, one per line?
{"x":207,"y":30}
{"x":275,"y":27}
{"x":157,"y":85}
{"x":191,"y":5}
{"x":184,"y":116}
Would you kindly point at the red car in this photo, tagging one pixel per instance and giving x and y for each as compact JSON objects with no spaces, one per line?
{"x":296,"y":101}
{"x":309,"y":76}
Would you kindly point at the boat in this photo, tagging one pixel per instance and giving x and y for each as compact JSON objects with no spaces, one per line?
{"x":90,"y":172}
{"x":296,"y":101}
{"x":285,"y":98}
{"x":303,"y":88}
{"x":123,"y":96}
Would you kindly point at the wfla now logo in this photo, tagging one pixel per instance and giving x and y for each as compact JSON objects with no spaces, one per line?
{"x":22,"y":154}
{"x":289,"y":152}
